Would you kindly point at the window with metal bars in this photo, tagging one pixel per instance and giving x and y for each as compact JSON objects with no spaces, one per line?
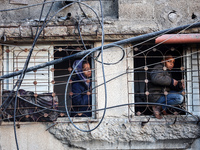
{"x":36,"y":91}
{"x":42,"y":90}
{"x":186,"y":69}
{"x":192,"y":76}
{"x":80,"y":87}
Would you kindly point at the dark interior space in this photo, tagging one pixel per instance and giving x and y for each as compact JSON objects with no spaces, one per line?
{"x":149,"y":59}
{"x":62,"y":72}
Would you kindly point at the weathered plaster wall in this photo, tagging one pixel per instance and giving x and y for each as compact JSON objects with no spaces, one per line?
{"x":117,"y":88}
{"x":123,"y":19}
{"x":113,"y":133}
{"x":30,"y":137}
{"x":118,"y":133}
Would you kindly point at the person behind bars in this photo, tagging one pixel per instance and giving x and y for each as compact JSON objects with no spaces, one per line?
{"x":81,"y":89}
{"x":163,"y":88}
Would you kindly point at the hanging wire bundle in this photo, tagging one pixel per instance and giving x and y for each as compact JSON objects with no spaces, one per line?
{"x":36,"y":101}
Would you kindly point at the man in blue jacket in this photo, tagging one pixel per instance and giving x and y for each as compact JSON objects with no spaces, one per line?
{"x":81,"y":88}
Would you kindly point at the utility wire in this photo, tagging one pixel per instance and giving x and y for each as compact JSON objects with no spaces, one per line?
{"x":103,"y":79}
{"x":111,"y":107}
{"x":102,"y":57}
{"x":159,"y":63}
{"x":82,"y":53}
{"x":25,"y":68}
{"x":36,"y":37}
{"x":12,"y":9}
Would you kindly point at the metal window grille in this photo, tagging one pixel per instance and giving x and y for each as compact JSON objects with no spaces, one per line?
{"x":141,"y":60}
{"x":42,"y":88}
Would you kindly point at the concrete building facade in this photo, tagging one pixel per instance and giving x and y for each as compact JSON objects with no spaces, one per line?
{"x":73,"y":25}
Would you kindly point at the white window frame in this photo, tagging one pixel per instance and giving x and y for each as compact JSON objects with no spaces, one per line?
{"x":193,"y":99}
{"x":12,"y":59}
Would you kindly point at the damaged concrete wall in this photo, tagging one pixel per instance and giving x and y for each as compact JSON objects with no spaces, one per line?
{"x":116,"y":133}
{"x":30,"y":137}
{"x":112,"y":134}
{"x":123,"y":19}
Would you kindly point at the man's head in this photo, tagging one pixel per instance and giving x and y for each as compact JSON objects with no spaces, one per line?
{"x":169,"y":61}
{"x":86,"y":69}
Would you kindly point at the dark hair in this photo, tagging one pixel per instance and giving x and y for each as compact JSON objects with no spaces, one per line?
{"x":85,"y":62}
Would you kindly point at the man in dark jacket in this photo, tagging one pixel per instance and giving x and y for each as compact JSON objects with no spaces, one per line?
{"x":81,"y":99}
{"x":163,"y":88}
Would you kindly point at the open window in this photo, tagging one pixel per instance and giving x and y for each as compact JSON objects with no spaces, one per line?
{"x":45,"y":87}
{"x":62,"y":72}
{"x":144,"y":59}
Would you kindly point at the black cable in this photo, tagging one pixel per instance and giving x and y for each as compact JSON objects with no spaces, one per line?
{"x":94,"y":87}
{"x":123,"y":51}
{"x":18,"y":82}
{"x":103,"y":79}
{"x":4,"y":10}
{"x":22,"y":73}
{"x":112,"y":107}
{"x":123,"y":55}
{"x":82,"y":53}
{"x":78,"y":26}
{"x":25,"y":68}
{"x":36,"y":37}
{"x":121,"y":75}
{"x":79,"y":31}
{"x":44,"y":24}
{"x":82,"y":9}
{"x":114,"y":45}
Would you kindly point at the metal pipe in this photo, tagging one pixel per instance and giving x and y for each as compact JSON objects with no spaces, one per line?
{"x":125,"y":41}
{"x":178,"y":38}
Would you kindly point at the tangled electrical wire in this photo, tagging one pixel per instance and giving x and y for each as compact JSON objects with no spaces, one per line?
{"x":87,"y":52}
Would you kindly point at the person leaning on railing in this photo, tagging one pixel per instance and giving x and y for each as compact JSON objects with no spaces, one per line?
{"x":81,"y":88}
{"x":163,"y":88}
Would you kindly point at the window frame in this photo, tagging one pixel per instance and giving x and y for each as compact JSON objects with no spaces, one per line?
{"x":131,"y":84}
{"x":15,"y":62}
{"x":52,"y":45}
{"x":94,"y":96}
{"x":193,"y":48}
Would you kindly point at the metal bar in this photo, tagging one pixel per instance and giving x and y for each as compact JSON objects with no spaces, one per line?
{"x":191,"y":50}
{"x":125,"y":41}
{"x":1,"y":68}
{"x":94,"y":97}
{"x":198,"y":63}
{"x":178,"y":38}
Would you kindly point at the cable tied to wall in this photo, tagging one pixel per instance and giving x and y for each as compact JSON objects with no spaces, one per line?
{"x":102,"y":61}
